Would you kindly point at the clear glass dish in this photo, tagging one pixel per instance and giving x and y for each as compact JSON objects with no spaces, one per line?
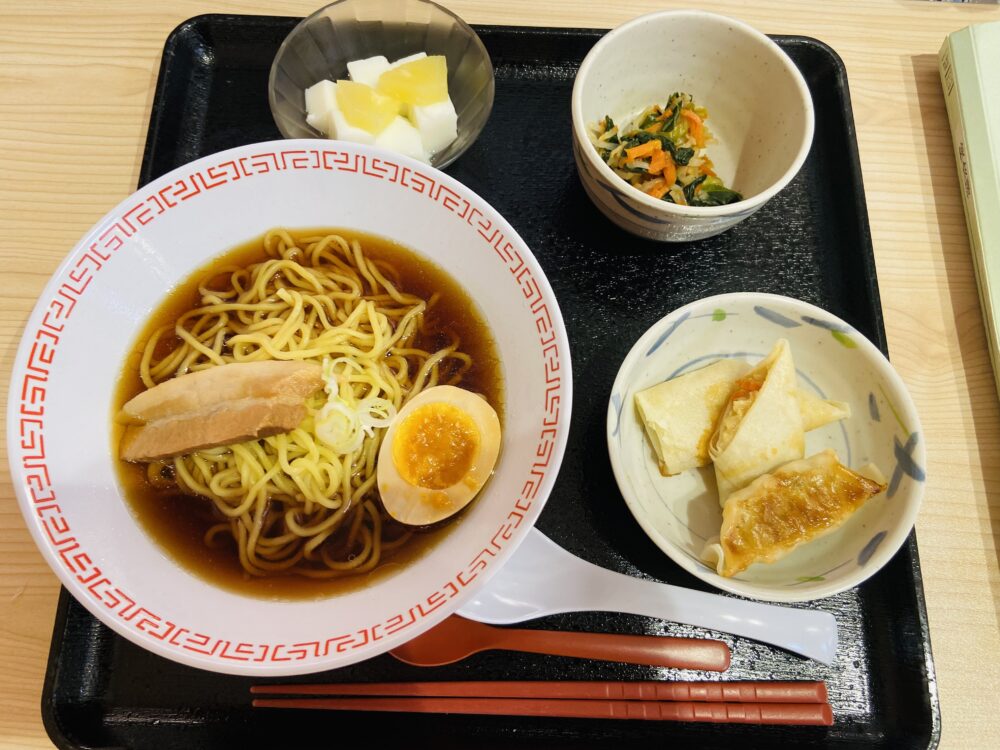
{"x":321,"y":46}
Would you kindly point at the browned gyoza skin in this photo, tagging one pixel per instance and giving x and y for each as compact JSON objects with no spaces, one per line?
{"x":794,"y":504}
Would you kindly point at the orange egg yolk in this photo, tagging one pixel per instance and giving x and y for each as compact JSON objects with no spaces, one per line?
{"x":435,"y":446}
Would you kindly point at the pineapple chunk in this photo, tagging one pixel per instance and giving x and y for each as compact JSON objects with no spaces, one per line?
{"x":408,"y":58}
{"x":365,"y":108}
{"x":339,"y":128}
{"x":420,"y":82}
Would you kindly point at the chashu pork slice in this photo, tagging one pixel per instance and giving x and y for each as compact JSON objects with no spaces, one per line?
{"x":203,"y":389}
{"x":219,"y":406}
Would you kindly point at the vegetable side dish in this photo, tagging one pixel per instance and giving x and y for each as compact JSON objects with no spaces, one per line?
{"x":662,"y":153}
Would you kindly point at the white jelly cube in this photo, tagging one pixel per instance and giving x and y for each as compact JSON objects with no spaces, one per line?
{"x":368,"y":70}
{"x":437,"y":124}
{"x":321,"y":98}
{"x":319,"y":122}
{"x":400,"y":136}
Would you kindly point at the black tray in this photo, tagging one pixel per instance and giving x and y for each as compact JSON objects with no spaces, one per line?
{"x":812,"y":242}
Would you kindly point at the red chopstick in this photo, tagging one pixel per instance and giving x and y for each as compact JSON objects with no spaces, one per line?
{"x":789,"y":703}
{"x":716,"y":692}
{"x":813,"y":714}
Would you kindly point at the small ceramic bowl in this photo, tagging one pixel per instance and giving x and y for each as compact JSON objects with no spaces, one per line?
{"x":760,"y":114}
{"x":681,"y":513}
{"x":320,"y":47}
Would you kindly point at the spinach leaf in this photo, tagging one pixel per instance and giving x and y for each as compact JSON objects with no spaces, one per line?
{"x":715,"y":195}
{"x":675,"y":104}
{"x":638,"y":139}
{"x":608,"y":125}
{"x":671,"y":122}
{"x":691,"y":187}
{"x":649,"y":120}
{"x":682,"y":156}
{"x":668,"y":145}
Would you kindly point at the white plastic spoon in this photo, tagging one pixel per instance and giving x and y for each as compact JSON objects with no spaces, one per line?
{"x":542,"y":578}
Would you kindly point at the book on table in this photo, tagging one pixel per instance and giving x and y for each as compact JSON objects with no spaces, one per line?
{"x":969,"y":63}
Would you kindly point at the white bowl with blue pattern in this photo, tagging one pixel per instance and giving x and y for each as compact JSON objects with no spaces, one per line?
{"x":681,"y":513}
{"x":760,"y":114}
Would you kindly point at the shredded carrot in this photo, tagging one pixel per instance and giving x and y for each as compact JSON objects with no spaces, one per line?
{"x":654,"y":128}
{"x":657,"y":188}
{"x":670,"y":170}
{"x":697,"y":126}
{"x":666,"y":114}
{"x":744,"y":387}
{"x":643,"y":149}
{"x":658,"y":162}
{"x":705,"y":169}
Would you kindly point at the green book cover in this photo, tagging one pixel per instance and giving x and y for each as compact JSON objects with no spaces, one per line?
{"x":970,"y":75}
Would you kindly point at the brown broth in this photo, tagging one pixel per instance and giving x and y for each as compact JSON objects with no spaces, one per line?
{"x":177,"y":522}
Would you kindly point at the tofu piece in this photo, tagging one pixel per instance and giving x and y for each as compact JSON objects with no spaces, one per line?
{"x":400,"y":136}
{"x":437,"y":124}
{"x":368,"y":70}
{"x":321,"y":98}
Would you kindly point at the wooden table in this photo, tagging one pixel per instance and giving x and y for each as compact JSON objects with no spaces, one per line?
{"x":76,"y":86}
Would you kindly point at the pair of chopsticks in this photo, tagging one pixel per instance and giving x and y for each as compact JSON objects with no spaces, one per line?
{"x":788,"y":703}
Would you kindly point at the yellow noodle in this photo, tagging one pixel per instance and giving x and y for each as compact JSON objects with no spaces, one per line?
{"x":289,"y":501}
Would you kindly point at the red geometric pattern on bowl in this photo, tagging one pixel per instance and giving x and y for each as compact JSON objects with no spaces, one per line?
{"x":59,"y":308}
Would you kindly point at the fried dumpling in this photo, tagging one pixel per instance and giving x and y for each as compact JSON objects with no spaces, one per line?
{"x":680,"y":414}
{"x":817,"y":411}
{"x":761,"y":426}
{"x":777,"y":512}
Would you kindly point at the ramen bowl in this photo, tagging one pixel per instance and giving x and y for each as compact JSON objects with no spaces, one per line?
{"x":681,"y":513}
{"x":75,"y":345}
{"x":760,"y":115}
{"x":320,"y":47}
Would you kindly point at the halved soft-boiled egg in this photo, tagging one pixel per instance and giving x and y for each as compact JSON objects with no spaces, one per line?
{"x":438,"y":453}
